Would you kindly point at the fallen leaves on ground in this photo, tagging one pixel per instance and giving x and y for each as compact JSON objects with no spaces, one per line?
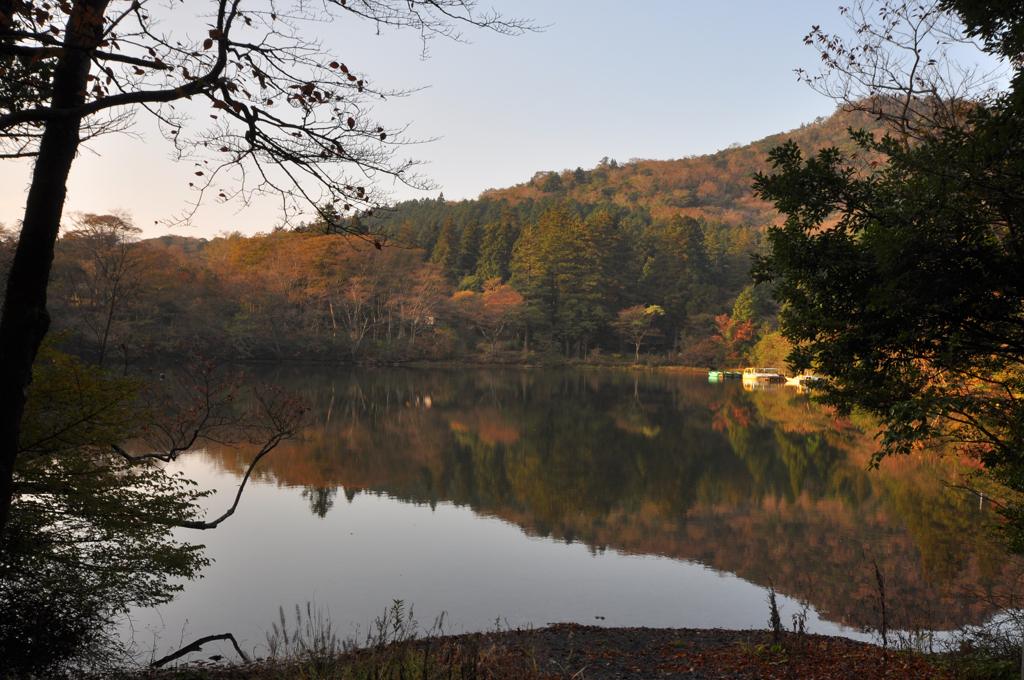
{"x":813,"y":658}
{"x":573,"y":652}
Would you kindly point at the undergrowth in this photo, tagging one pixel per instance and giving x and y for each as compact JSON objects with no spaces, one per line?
{"x":394,"y":648}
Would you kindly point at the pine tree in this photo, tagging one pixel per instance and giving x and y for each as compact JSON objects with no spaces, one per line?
{"x":355,"y":226}
{"x":675,"y":277}
{"x":428,"y":237}
{"x":446,"y":251}
{"x":407,"y":234}
{"x":498,"y":243}
{"x":561,"y":271}
{"x":469,"y":249}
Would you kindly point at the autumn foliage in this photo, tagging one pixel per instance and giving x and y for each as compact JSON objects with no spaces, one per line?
{"x":541,"y":268}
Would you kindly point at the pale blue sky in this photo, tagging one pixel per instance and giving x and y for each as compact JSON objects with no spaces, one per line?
{"x":658,"y":79}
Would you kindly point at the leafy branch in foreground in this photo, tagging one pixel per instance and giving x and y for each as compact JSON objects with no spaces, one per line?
{"x":90,"y":533}
{"x":903,"y":284}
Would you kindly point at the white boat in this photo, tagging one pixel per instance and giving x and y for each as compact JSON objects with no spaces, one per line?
{"x":803,"y":380}
{"x":766,"y":375}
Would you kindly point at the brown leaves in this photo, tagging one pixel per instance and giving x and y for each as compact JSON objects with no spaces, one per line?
{"x":742,"y":655}
{"x":800,"y":657}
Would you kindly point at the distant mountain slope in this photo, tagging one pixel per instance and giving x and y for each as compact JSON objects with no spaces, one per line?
{"x":716,"y":186}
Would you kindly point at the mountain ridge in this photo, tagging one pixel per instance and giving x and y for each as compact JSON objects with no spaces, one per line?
{"x":713,"y":186}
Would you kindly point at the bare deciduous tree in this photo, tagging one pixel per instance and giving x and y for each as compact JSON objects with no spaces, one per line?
{"x":899,"y":65}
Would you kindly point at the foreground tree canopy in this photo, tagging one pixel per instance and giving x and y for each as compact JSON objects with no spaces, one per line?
{"x":89,"y":530}
{"x":902,"y":279}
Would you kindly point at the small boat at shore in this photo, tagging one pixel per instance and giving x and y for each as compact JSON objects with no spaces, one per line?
{"x":715,"y":376}
{"x":763,"y":375}
{"x":804,"y":380}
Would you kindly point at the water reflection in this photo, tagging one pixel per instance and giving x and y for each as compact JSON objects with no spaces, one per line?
{"x":761,"y":483}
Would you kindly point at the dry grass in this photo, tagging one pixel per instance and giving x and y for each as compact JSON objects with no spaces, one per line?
{"x":395,"y":648}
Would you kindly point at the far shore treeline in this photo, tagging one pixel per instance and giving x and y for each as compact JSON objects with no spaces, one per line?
{"x":516,"y":287}
{"x":647,"y":259}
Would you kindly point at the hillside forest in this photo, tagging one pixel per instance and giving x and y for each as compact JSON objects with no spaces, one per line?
{"x":643,"y":261}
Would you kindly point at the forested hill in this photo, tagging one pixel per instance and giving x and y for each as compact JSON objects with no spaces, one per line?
{"x":715,"y":187}
{"x":649,"y":257}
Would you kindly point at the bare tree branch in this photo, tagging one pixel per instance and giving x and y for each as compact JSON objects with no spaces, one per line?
{"x":196,"y":646}
{"x":898,"y":66}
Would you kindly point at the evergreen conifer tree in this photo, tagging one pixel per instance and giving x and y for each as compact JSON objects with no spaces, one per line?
{"x":446,"y":250}
{"x":498,"y":243}
{"x":469,"y":249}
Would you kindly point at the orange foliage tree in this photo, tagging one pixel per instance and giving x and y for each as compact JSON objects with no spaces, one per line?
{"x":495,"y":311}
{"x":734,"y":337}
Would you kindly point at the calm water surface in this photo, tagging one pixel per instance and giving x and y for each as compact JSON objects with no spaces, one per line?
{"x":608,"y":498}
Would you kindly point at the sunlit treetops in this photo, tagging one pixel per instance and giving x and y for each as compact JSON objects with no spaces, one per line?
{"x":715,"y":186}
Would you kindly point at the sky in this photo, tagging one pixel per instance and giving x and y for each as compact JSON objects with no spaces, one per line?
{"x":659,"y":79}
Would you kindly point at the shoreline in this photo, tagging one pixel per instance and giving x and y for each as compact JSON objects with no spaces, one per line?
{"x":569,"y":650}
{"x":452,"y":364}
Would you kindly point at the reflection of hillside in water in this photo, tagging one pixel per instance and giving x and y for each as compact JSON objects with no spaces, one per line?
{"x":761,"y":484}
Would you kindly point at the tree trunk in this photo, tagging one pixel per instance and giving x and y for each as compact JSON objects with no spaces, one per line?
{"x":25,"y":321}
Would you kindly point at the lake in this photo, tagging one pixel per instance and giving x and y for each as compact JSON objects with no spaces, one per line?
{"x":524,"y":497}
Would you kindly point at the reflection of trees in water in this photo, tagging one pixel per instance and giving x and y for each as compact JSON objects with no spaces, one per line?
{"x":321,"y":499}
{"x":763,"y":485}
